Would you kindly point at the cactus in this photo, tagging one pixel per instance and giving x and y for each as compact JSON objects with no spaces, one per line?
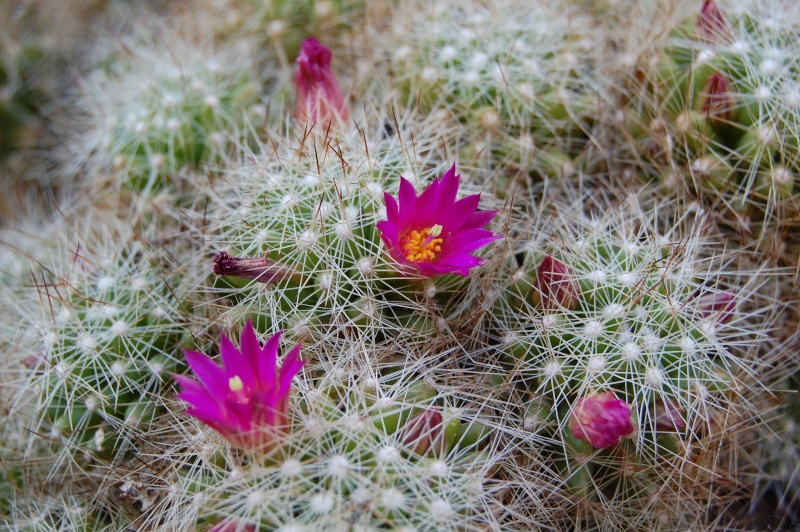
{"x":312,"y":214}
{"x":620,"y":303}
{"x":355,"y":455}
{"x":522,"y":80}
{"x":716,"y":106}
{"x":192,"y":107}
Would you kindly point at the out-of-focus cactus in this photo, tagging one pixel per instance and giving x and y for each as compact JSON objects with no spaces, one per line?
{"x":522,"y":81}
{"x":194,"y":104}
{"x":716,"y":108}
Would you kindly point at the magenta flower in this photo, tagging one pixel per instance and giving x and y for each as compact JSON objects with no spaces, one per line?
{"x":433,"y":234}
{"x":602,"y":420}
{"x":319,"y":98}
{"x":247,"y":400}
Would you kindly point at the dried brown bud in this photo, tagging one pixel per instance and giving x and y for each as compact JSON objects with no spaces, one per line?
{"x":557,"y":284}
{"x":258,"y":269}
{"x":668,"y":417}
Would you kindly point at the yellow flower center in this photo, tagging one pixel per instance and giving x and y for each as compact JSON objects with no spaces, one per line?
{"x":422,"y":246}
{"x":235,"y":384}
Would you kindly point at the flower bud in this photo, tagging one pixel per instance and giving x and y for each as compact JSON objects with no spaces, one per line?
{"x":668,"y":416}
{"x":719,"y":305}
{"x":557,"y":284}
{"x":423,"y":431}
{"x":258,"y":269}
{"x":717,"y":100}
{"x":602,"y":420}
{"x":319,"y":98}
{"x":711,"y":24}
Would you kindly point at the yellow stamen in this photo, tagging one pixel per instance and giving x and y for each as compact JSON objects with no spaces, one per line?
{"x":422,"y":246}
{"x":235,"y":384}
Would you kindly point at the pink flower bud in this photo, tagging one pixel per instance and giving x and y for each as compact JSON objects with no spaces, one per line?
{"x":668,"y":416}
{"x":719,"y":305}
{"x":319,"y":98}
{"x":602,"y":420}
{"x":711,"y":24}
{"x":557,"y":284}
{"x":423,"y":431}
{"x":258,"y":269}
{"x":718,"y":103}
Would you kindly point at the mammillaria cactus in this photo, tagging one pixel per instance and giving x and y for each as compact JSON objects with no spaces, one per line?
{"x":542,"y":341}
{"x":717,"y":110}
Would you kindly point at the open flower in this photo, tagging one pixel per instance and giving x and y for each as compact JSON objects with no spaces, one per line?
{"x":319,"y":98}
{"x":433,"y":234}
{"x":602,"y":420}
{"x":247,"y":400}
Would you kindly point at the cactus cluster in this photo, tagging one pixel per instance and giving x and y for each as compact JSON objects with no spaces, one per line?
{"x":523,"y":82}
{"x":715,"y":111}
{"x":448,"y":295}
{"x":620,"y":305}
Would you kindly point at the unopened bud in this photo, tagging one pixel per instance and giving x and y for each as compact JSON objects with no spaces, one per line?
{"x":717,"y":100}
{"x":423,"y":431}
{"x":557,"y":284}
{"x":711,"y":24}
{"x":720,"y":305}
{"x":602,"y":420}
{"x":258,"y":269}
{"x":319,"y":98}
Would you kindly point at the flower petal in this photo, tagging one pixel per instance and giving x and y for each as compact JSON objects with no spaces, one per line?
{"x":460,"y":213}
{"x":468,"y":241}
{"x":449,"y":188}
{"x":408,"y":205}
{"x":391,"y":207}
{"x":235,"y":363}
{"x":291,"y":366}
{"x":267,"y":369}
{"x":479,"y":219}
{"x":212,"y":376}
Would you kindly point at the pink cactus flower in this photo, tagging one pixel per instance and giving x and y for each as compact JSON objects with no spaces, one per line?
{"x":247,"y":400}
{"x":319,"y":98}
{"x":433,"y":234}
{"x":602,"y":420}
{"x":557,"y":284}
